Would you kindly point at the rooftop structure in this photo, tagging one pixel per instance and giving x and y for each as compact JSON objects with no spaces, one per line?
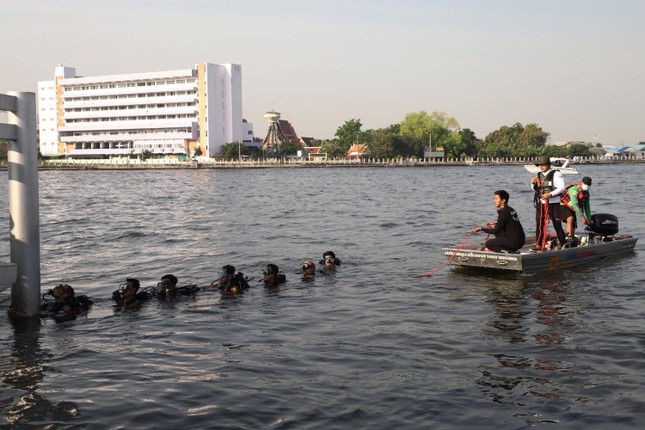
{"x":280,"y":131}
{"x":166,"y":113}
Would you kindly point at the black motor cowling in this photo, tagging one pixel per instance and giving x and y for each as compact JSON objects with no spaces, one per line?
{"x":604,"y":224}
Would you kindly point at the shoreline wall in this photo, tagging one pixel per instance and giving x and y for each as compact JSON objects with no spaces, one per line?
{"x":168,"y":163}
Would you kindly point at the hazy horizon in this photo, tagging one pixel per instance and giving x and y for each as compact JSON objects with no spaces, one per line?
{"x":575,"y":67}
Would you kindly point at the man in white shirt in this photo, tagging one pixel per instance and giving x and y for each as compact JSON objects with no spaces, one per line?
{"x":548,"y":186}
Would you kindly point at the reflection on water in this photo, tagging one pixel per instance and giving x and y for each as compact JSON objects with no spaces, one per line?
{"x":23,"y":373}
{"x":537,"y":319}
{"x":512,"y":308}
{"x":554,"y":313}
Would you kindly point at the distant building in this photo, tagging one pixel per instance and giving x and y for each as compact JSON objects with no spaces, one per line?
{"x":358,"y":151}
{"x":279,"y":132}
{"x":312,"y":153}
{"x":437,"y":153}
{"x":168,"y":113}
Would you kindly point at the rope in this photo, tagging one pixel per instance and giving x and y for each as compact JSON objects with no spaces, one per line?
{"x":430,"y":274}
{"x":546,"y":220}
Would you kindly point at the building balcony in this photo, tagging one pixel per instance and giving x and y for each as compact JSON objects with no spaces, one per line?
{"x":125,"y":137}
{"x":71,"y":92}
{"x":134,"y":126}
{"x":121,"y":113}
{"x":131,"y":101}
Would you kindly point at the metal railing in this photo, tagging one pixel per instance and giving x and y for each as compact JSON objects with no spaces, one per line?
{"x":203,"y":162}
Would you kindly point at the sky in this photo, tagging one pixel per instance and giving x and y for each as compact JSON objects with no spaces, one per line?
{"x":574,"y":67}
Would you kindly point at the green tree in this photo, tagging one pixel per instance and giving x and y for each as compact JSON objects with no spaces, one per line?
{"x":533,"y":136}
{"x":348,"y":134}
{"x":517,"y":141}
{"x":383,"y":143}
{"x":577,"y":149}
{"x":470,"y":141}
{"x":488,"y":150}
{"x":419,"y":129}
{"x":231,"y":150}
{"x":333,"y":149}
{"x":288,"y":148}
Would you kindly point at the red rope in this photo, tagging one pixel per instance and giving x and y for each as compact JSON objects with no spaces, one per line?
{"x":429,"y":274}
{"x":546,"y":219}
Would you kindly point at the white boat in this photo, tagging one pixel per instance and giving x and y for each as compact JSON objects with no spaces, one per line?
{"x":559,"y":163}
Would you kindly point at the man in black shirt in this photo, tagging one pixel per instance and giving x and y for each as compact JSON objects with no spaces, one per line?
{"x":509,"y":234}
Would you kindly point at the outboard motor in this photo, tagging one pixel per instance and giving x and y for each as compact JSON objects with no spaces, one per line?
{"x":604,"y":224}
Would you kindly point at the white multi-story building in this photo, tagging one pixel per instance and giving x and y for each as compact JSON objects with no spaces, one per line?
{"x":167,"y":113}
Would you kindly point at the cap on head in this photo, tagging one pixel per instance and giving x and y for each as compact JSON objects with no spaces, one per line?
{"x":543,"y":159}
{"x":586,"y":180}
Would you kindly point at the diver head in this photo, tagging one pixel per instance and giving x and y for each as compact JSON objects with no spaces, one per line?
{"x":131,"y":287}
{"x":62,"y":292}
{"x":329,"y":259}
{"x":308,"y":267}
{"x":270,"y":272}
{"x":168,"y":282}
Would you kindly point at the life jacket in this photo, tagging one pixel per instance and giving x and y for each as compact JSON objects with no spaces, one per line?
{"x":583,"y":196}
{"x":546,"y":182}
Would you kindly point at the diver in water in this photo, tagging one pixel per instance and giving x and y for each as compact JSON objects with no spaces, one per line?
{"x":308,"y":269}
{"x":129,"y":296}
{"x":230,"y":282}
{"x":168,"y":288}
{"x":329,"y":262}
{"x":272,"y":276}
{"x":66,"y":305}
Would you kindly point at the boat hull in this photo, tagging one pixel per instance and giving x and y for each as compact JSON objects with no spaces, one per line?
{"x":527,"y":262}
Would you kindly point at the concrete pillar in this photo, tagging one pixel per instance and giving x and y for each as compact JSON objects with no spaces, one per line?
{"x":23,"y":205}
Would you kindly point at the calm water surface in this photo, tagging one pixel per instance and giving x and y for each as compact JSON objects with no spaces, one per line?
{"x":368,"y":347}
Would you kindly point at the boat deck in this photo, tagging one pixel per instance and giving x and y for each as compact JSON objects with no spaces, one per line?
{"x":472,"y":256}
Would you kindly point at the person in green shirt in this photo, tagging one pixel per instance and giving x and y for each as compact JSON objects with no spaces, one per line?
{"x":575,"y":203}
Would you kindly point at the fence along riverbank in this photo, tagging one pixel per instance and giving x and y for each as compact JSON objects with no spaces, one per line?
{"x":206,"y":163}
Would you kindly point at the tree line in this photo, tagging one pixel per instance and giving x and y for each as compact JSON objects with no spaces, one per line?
{"x":420,"y":131}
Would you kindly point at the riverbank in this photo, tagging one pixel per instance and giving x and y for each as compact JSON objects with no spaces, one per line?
{"x":171,"y":163}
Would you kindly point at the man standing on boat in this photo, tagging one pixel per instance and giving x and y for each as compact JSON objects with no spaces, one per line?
{"x":575,"y":202}
{"x":548,"y":186}
{"x":508,"y":231}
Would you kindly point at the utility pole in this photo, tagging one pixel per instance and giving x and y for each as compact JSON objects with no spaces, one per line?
{"x":23,"y":199}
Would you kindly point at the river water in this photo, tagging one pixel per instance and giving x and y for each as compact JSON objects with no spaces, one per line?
{"x":367,"y":347}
